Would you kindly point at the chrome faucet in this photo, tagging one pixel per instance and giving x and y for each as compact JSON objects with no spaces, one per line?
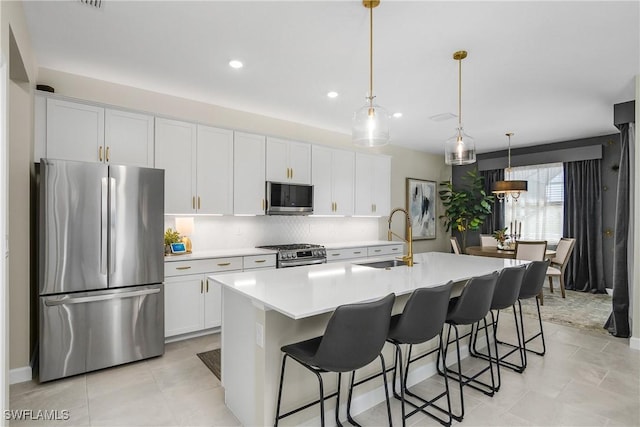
{"x":408,"y":258}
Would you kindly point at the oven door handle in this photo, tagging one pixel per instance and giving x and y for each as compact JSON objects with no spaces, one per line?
{"x":297,"y":263}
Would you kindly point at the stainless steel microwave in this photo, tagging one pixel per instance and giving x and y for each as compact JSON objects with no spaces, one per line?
{"x":289,"y":199}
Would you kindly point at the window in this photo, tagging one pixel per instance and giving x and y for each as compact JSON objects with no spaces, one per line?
{"x":540,"y":209}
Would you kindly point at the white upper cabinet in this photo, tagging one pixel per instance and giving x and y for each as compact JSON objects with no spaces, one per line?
{"x":89,"y":133}
{"x":214,"y":166}
{"x":74,"y":131}
{"x":128,"y":138}
{"x":333,"y":181}
{"x":198,"y":162}
{"x":248,"y":174}
{"x":373,"y":185}
{"x":176,"y":154}
{"x":288,"y":161}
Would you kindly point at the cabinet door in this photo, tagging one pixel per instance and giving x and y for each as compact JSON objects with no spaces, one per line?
{"x":75,"y":131}
{"x":212,"y":304}
{"x":214,"y":166}
{"x":342,"y":172}
{"x":321,"y":180}
{"x":300,"y":162}
{"x":382,"y":185}
{"x":128,"y":138}
{"x":364,"y":185}
{"x":183,"y":304}
{"x":277,"y":160}
{"x":176,"y":154}
{"x":248,"y":174}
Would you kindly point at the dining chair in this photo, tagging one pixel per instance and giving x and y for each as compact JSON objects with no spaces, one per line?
{"x":488,"y":241}
{"x":560,"y":261}
{"x":532,"y":250}
{"x":456,"y":246}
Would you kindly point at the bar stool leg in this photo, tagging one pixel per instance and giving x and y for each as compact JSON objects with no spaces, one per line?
{"x":284,"y":360}
{"x":338,"y":400}
{"x":386,"y":389}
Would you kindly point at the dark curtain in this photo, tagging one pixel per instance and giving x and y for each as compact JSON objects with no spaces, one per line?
{"x":583,"y":221}
{"x":496,"y":219}
{"x":618,"y":322}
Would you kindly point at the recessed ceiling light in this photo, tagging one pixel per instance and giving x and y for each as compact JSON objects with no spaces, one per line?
{"x":235,"y":64}
{"x":397,"y":115}
{"x":332,"y":94}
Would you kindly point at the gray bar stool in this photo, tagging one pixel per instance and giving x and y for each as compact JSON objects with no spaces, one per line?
{"x":354,"y":337}
{"x":532,"y":283}
{"x":504,"y":296}
{"x":421,"y":320}
{"x":471,"y":307}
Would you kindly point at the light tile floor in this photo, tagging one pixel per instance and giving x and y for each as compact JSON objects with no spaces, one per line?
{"x":585,"y":379}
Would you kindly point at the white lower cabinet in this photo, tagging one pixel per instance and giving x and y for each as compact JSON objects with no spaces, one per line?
{"x":344,"y":254}
{"x":193,"y":302}
{"x":335,"y":255}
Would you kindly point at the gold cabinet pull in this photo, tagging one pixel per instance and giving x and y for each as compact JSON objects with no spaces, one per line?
{"x":201,"y":287}
{"x":183,"y":268}
{"x":357,"y":253}
{"x":262,"y":204}
{"x":394,"y":249}
{"x":207,"y":285}
{"x":259,"y":261}
{"x":107,"y":153}
{"x":336,"y":205}
{"x":377,"y":250}
{"x":223,"y":264}
{"x":100,"y":153}
{"x":198,"y":202}
{"x":292,"y":173}
{"x":338,"y":254}
{"x":193,"y":202}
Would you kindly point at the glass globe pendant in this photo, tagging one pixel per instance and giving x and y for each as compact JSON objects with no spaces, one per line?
{"x":370,"y":125}
{"x":460,"y":148}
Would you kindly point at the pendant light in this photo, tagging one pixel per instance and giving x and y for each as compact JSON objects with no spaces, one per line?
{"x":460,"y":149}
{"x":370,"y":126}
{"x":509,"y":189}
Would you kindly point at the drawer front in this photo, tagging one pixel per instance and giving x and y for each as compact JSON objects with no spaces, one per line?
{"x":341,"y":254}
{"x":385,"y":250}
{"x":199,"y":266}
{"x":259,"y":261}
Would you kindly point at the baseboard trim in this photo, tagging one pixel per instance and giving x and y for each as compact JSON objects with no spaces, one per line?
{"x":20,"y":375}
{"x":634,"y":343}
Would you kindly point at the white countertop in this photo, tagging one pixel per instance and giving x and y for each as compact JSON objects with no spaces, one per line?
{"x":220,"y":253}
{"x":310,"y":290}
{"x":347,"y":245}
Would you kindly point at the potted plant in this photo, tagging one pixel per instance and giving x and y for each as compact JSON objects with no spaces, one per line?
{"x":170,"y":236}
{"x":465,"y":209}
{"x":501,"y":236}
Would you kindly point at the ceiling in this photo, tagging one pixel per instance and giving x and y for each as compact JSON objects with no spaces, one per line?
{"x":546,"y":70}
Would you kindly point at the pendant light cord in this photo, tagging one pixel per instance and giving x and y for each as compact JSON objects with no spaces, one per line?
{"x":371,"y":55}
{"x":460,"y":93}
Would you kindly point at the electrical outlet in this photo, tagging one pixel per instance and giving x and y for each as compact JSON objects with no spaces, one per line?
{"x":260,"y":335}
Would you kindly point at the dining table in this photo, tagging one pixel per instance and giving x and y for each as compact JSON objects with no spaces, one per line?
{"x":494,"y":252}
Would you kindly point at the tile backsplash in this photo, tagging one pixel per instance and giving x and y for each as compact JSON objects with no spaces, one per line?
{"x":229,"y":232}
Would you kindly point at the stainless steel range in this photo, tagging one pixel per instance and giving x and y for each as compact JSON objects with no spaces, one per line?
{"x":300,"y":254}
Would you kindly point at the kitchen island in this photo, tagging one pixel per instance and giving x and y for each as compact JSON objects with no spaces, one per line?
{"x":264,"y":310}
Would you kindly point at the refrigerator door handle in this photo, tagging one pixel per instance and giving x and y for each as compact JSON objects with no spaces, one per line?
{"x":112,"y":221}
{"x":104,"y":221}
{"x":82,"y":300}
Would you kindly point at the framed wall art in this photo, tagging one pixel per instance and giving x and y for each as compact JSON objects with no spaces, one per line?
{"x":421,"y":205}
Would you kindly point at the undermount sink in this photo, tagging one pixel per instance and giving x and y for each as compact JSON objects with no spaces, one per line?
{"x":384,"y":264}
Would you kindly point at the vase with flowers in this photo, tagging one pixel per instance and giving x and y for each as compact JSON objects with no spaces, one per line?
{"x":501,"y":236}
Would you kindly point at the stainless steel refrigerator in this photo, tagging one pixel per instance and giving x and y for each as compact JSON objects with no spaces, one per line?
{"x":101,"y":266}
